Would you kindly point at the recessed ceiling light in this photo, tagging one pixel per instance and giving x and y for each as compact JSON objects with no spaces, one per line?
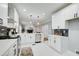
{"x":43,"y":14}
{"x":7,"y":17}
{"x":38,"y":23}
{"x":30,"y":22}
{"x":24,"y":10}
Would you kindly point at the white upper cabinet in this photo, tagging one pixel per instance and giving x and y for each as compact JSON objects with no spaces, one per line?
{"x":53,"y":22}
{"x":71,"y":11}
{"x":58,"y":20}
{"x":67,"y":13}
{"x":4,"y":13}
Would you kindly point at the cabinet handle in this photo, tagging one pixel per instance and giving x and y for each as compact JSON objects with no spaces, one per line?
{"x":54,"y":41}
{"x":74,"y":15}
{"x":14,"y":45}
{"x":14,"y":52}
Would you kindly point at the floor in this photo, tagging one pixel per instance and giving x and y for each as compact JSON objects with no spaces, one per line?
{"x":41,"y":49}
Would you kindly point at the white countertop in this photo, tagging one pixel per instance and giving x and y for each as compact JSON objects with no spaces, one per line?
{"x":5,"y":45}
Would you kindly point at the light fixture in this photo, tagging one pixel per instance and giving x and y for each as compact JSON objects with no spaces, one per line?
{"x":8,"y":17}
{"x":43,"y":14}
{"x":38,"y":23}
{"x":30,"y":22}
{"x":24,"y":10}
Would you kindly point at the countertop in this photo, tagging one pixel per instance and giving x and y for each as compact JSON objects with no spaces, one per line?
{"x":5,"y":45}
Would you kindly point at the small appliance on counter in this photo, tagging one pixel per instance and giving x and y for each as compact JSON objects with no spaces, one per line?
{"x":3,"y":32}
{"x":7,"y":33}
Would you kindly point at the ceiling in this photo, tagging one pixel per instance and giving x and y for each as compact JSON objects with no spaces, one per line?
{"x":36,"y":12}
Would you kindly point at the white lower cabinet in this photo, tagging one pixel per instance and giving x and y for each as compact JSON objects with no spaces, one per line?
{"x":58,"y":42}
{"x":30,"y":38}
{"x":27,"y":38}
{"x":12,"y":51}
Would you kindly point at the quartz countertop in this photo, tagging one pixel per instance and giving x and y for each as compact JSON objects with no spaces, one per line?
{"x":5,"y":45}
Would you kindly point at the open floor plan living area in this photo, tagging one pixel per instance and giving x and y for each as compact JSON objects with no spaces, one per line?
{"x":39,"y":29}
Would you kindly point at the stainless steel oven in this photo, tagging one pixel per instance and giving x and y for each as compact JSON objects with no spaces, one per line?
{"x":3,"y":32}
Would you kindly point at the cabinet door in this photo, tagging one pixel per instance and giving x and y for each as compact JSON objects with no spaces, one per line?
{"x":53,"y":38}
{"x":77,"y":9}
{"x":6,"y":53}
{"x":4,"y":13}
{"x":11,"y":51}
{"x":54,"y":22}
{"x":23,"y":39}
{"x":64,"y":43}
{"x":57,"y":43}
{"x":58,"y":20}
{"x":50,"y":40}
{"x":30,"y":38}
{"x":33,"y":38}
{"x":70,"y":11}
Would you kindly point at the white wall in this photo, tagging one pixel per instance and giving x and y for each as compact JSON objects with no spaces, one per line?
{"x":73,"y":35}
{"x":4,"y":12}
{"x":47,"y":28}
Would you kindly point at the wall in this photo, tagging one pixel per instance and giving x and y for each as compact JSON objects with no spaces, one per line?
{"x":4,"y":12}
{"x":73,"y":35}
{"x":46,"y":28}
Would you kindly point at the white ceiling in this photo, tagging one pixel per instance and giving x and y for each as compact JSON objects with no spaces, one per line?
{"x":39,"y":11}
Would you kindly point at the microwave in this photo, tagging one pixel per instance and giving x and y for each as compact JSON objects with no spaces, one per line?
{"x":61,"y":32}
